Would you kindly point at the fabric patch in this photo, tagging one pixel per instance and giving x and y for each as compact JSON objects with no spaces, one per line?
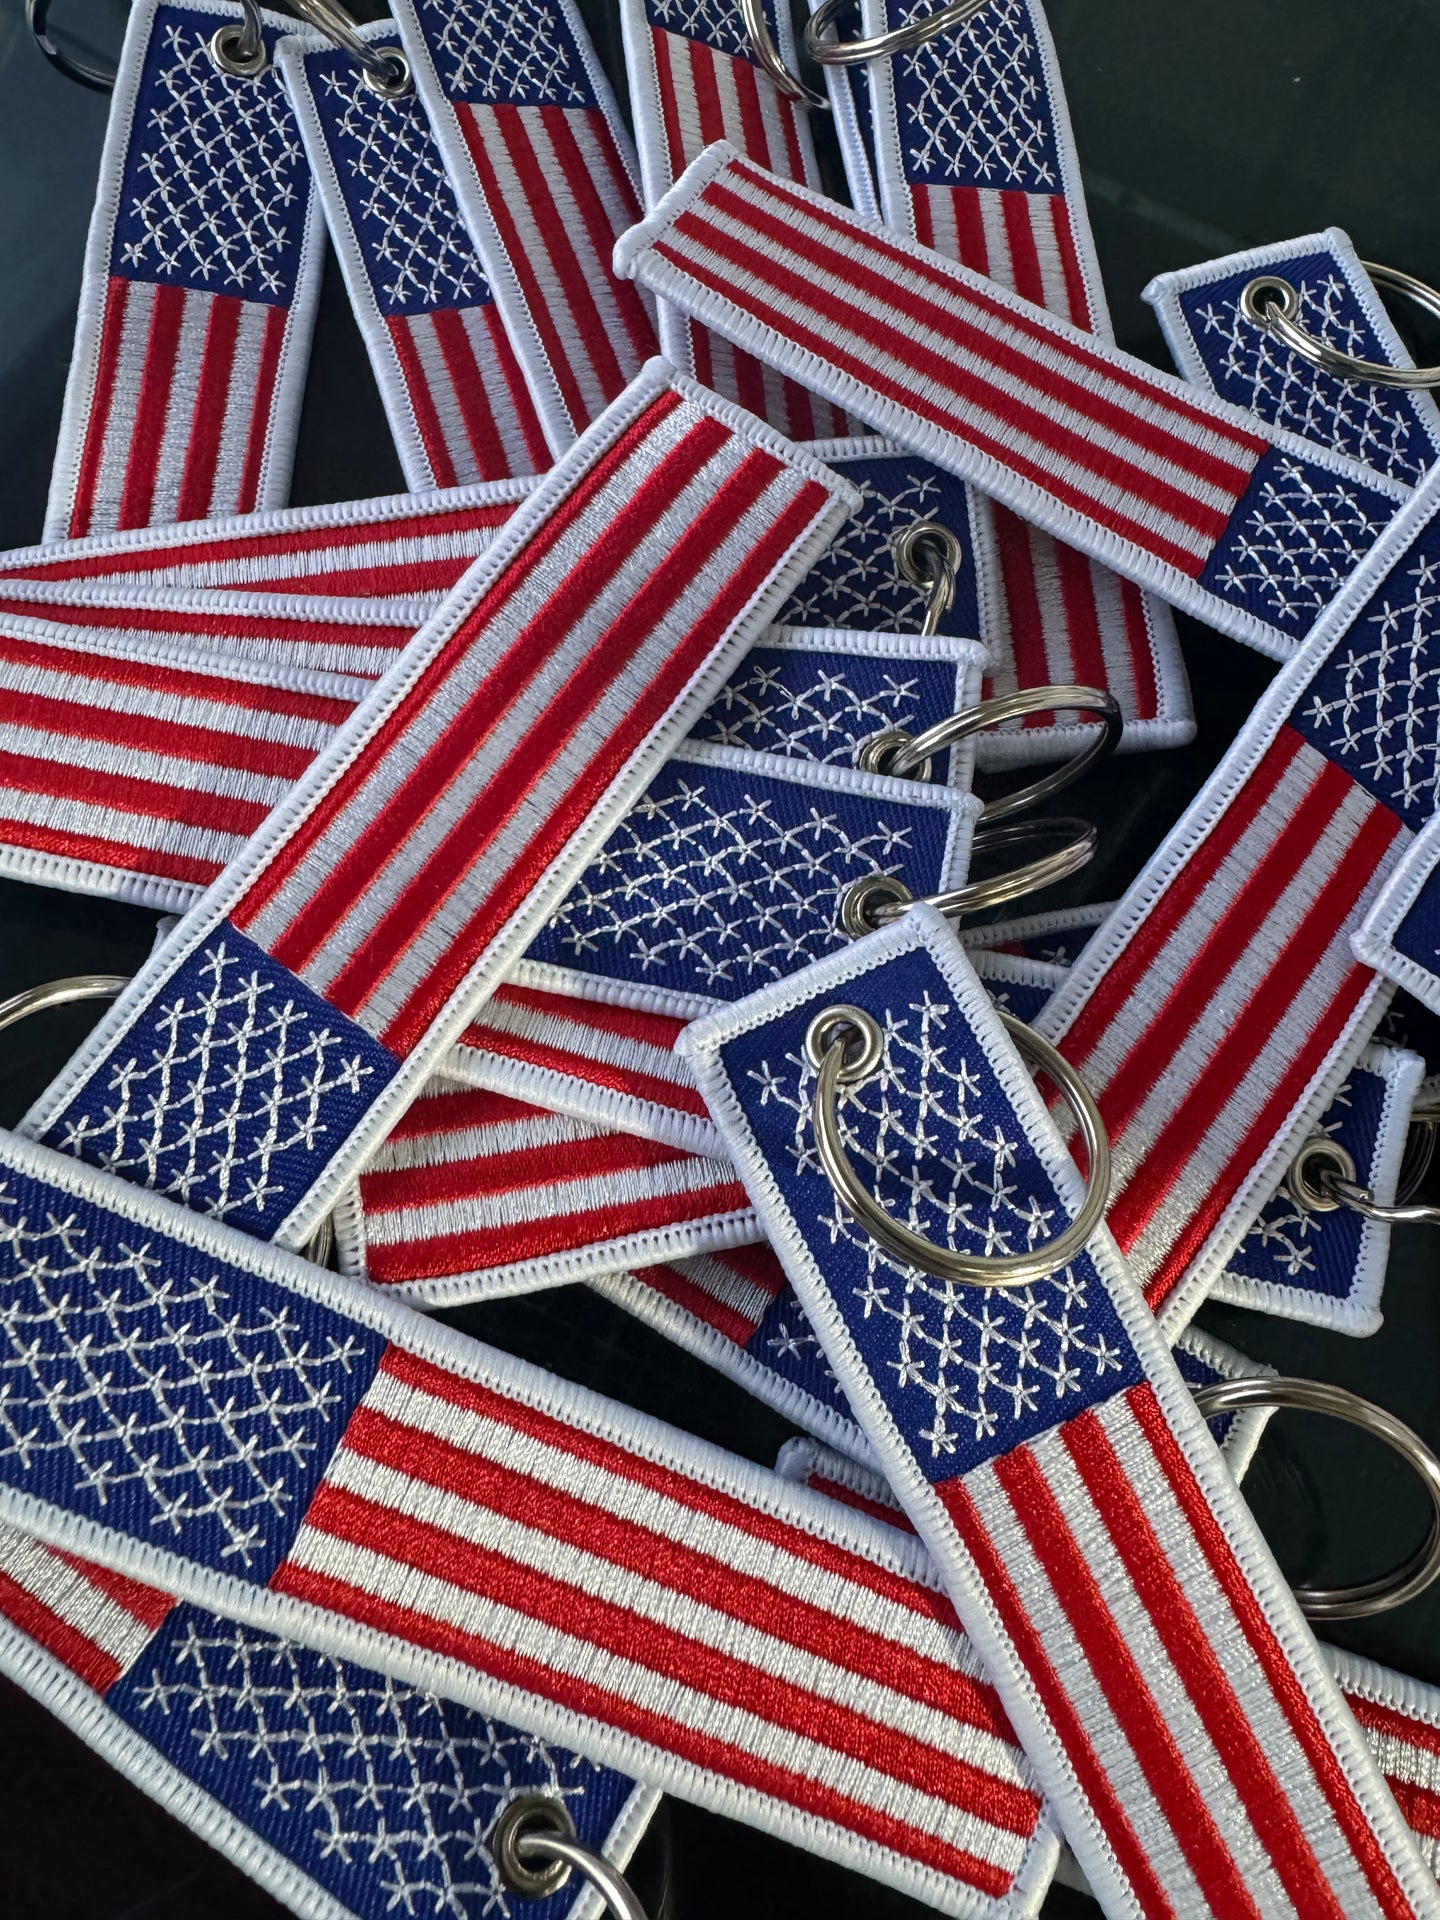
{"x":1400,"y":1719}
{"x":202,"y":270}
{"x":1057,"y":938}
{"x":453,"y":389}
{"x":1400,"y":935}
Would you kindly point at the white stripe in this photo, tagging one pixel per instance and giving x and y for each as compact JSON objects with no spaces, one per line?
{"x":1109,"y":592}
{"x":718,"y":1282}
{"x":1052,"y":264}
{"x":124,"y":398}
{"x":180,"y":406}
{"x":240,"y":404}
{"x":233,"y":713}
{"x":72,"y":1598}
{"x":444,"y":1145}
{"x":185,"y":776}
{"x":584,"y":1043}
{"x":999,"y":266}
{"x":679,"y":52}
{"x":141,"y":833}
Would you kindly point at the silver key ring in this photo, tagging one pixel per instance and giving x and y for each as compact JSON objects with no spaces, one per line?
{"x":1324,"y":1177}
{"x":853,"y":53}
{"x":1268,"y":301}
{"x":876,"y":899}
{"x":238,"y":48}
{"x":830,"y":1047}
{"x":387,"y":73}
{"x":1412,"y":1576}
{"x":908,"y":756}
{"x":930,"y":557}
{"x":757,"y":30}
{"x":37,"y":19}
{"x":535,"y":1846}
{"x":108,"y":986}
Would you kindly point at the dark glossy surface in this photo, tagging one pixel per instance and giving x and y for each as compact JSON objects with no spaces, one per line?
{"x":1201,"y":130}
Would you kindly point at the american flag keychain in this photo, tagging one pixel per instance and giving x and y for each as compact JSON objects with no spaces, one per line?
{"x":1026,"y":1412}
{"x":454,"y":391}
{"x":964,"y":111}
{"x":202,"y":271}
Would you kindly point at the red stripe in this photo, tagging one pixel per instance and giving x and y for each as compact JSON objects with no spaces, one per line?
{"x":1151,"y":386}
{"x":481,"y":1174}
{"x":1393,"y":1724}
{"x":1115,"y":989}
{"x":758,"y":1265}
{"x":1288,"y":1691}
{"x":692,"y":1298}
{"x":479,"y":1250}
{"x":1419,"y":1806}
{"x":1118,"y":1674}
{"x":1022,"y":601}
{"x":149,"y":862}
{"x":248,"y":696}
{"x":877,"y":1509}
{"x":258,"y":439}
{"x":1082,"y":618}
{"x":470,"y":634}
{"x":522,"y":406}
{"x":70,"y":1647}
{"x":217,"y":359}
{"x":148,"y":1605}
{"x":660,"y":1730}
{"x":971,"y":244}
{"x":1075,"y":293}
{"x":826,"y":349}
{"x":1205,"y":1681}
{"x":1284,"y":981}
{"x":442,"y":1113}
{"x":1131,"y":1860}
{"x":579,"y":171}
{"x":97,"y":423}
{"x":224,"y":626}
{"x":422,"y":401}
{"x":707,"y":93}
{"x":1025,"y":272}
{"x":546,"y":739}
{"x":691,"y":554}
{"x":152,"y":403}
{"x":575,"y":1065}
{"x":142,"y":733}
{"x":669,"y":104}
{"x":630,"y":1023}
{"x":567,"y":1607}
{"x":468,"y":386}
{"x":1142,"y":659}
{"x":754,"y":141}
{"x":663,"y":1479}
{"x":156,"y":799}
{"x":980,"y":388}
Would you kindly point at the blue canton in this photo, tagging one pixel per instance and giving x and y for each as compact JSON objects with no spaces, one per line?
{"x":152,"y":1387}
{"x":1375,"y":425}
{"x":216,"y":186}
{"x":718,"y":24}
{"x":418,"y":256}
{"x":967,"y":1374}
{"x":1374,"y":707}
{"x":787,"y":1345}
{"x":1418,"y":934}
{"x":721,"y":880}
{"x":231,"y":1091}
{"x":1293,"y":541}
{"x":382,"y":1793}
{"x":973,"y":106}
{"x":856,"y":584}
{"x":1196,"y":1372}
{"x":518,"y":53}
{"x":812,"y":705}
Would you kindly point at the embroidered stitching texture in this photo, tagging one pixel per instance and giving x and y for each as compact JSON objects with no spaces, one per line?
{"x":1367,"y":422}
{"x":401,"y":191}
{"x":986,"y":1362}
{"x":976,"y":100}
{"x":856,"y":583}
{"x":514,"y":51}
{"x":393,"y":1783}
{"x":231,"y":1090}
{"x":822,"y":718}
{"x":737,"y":895}
{"x":224,"y":165}
{"x":122,"y":1378}
{"x":717,"y":23}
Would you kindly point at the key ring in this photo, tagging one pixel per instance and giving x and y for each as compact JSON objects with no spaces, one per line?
{"x":534,"y":1844}
{"x":930,"y":557}
{"x":1412,"y":1576}
{"x":757,"y":28}
{"x":238,"y":48}
{"x":826,"y":1048}
{"x":107,"y":986}
{"x":1272,"y":303}
{"x":878,"y":898}
{"x":853,"y":53}
{"x":387,"y":74}
{"x":1323,"y":1177}
{"x":908,"y":756}
{"x":37,"y":19}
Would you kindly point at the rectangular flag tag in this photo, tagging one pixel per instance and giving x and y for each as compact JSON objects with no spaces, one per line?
{"x":345,"y":1793}
{"x":202,"y":271}
{"x":255,"y":1063}
{"x":396,"y":546}
{"x":532,"y":140}
{"x":454,"y":392}
{"x":1128,"y":465}
{"x":309,"y":1459}
{"x":1045,"y":1447}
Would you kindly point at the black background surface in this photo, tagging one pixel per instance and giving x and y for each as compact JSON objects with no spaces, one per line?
{"x":1200,"y":130}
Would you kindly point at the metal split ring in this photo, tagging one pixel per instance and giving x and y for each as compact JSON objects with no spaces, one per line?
{"x":878,"y":898}
{"x":534,"y":1845}
{"x":831,"y":1048}
{"x":97,"y":79}
{"x":239,"y":48}
{"x":386,"y":73}
{"x":108,"y":986}
{"x":1323,"y":1177}
{"x":929,"y":556}
{"x":1272,"y":303}
{"x":757,"y":29}
{"x":853,"y":53}
{"x":1412,"y":1576}
{"x":906,"y":755}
